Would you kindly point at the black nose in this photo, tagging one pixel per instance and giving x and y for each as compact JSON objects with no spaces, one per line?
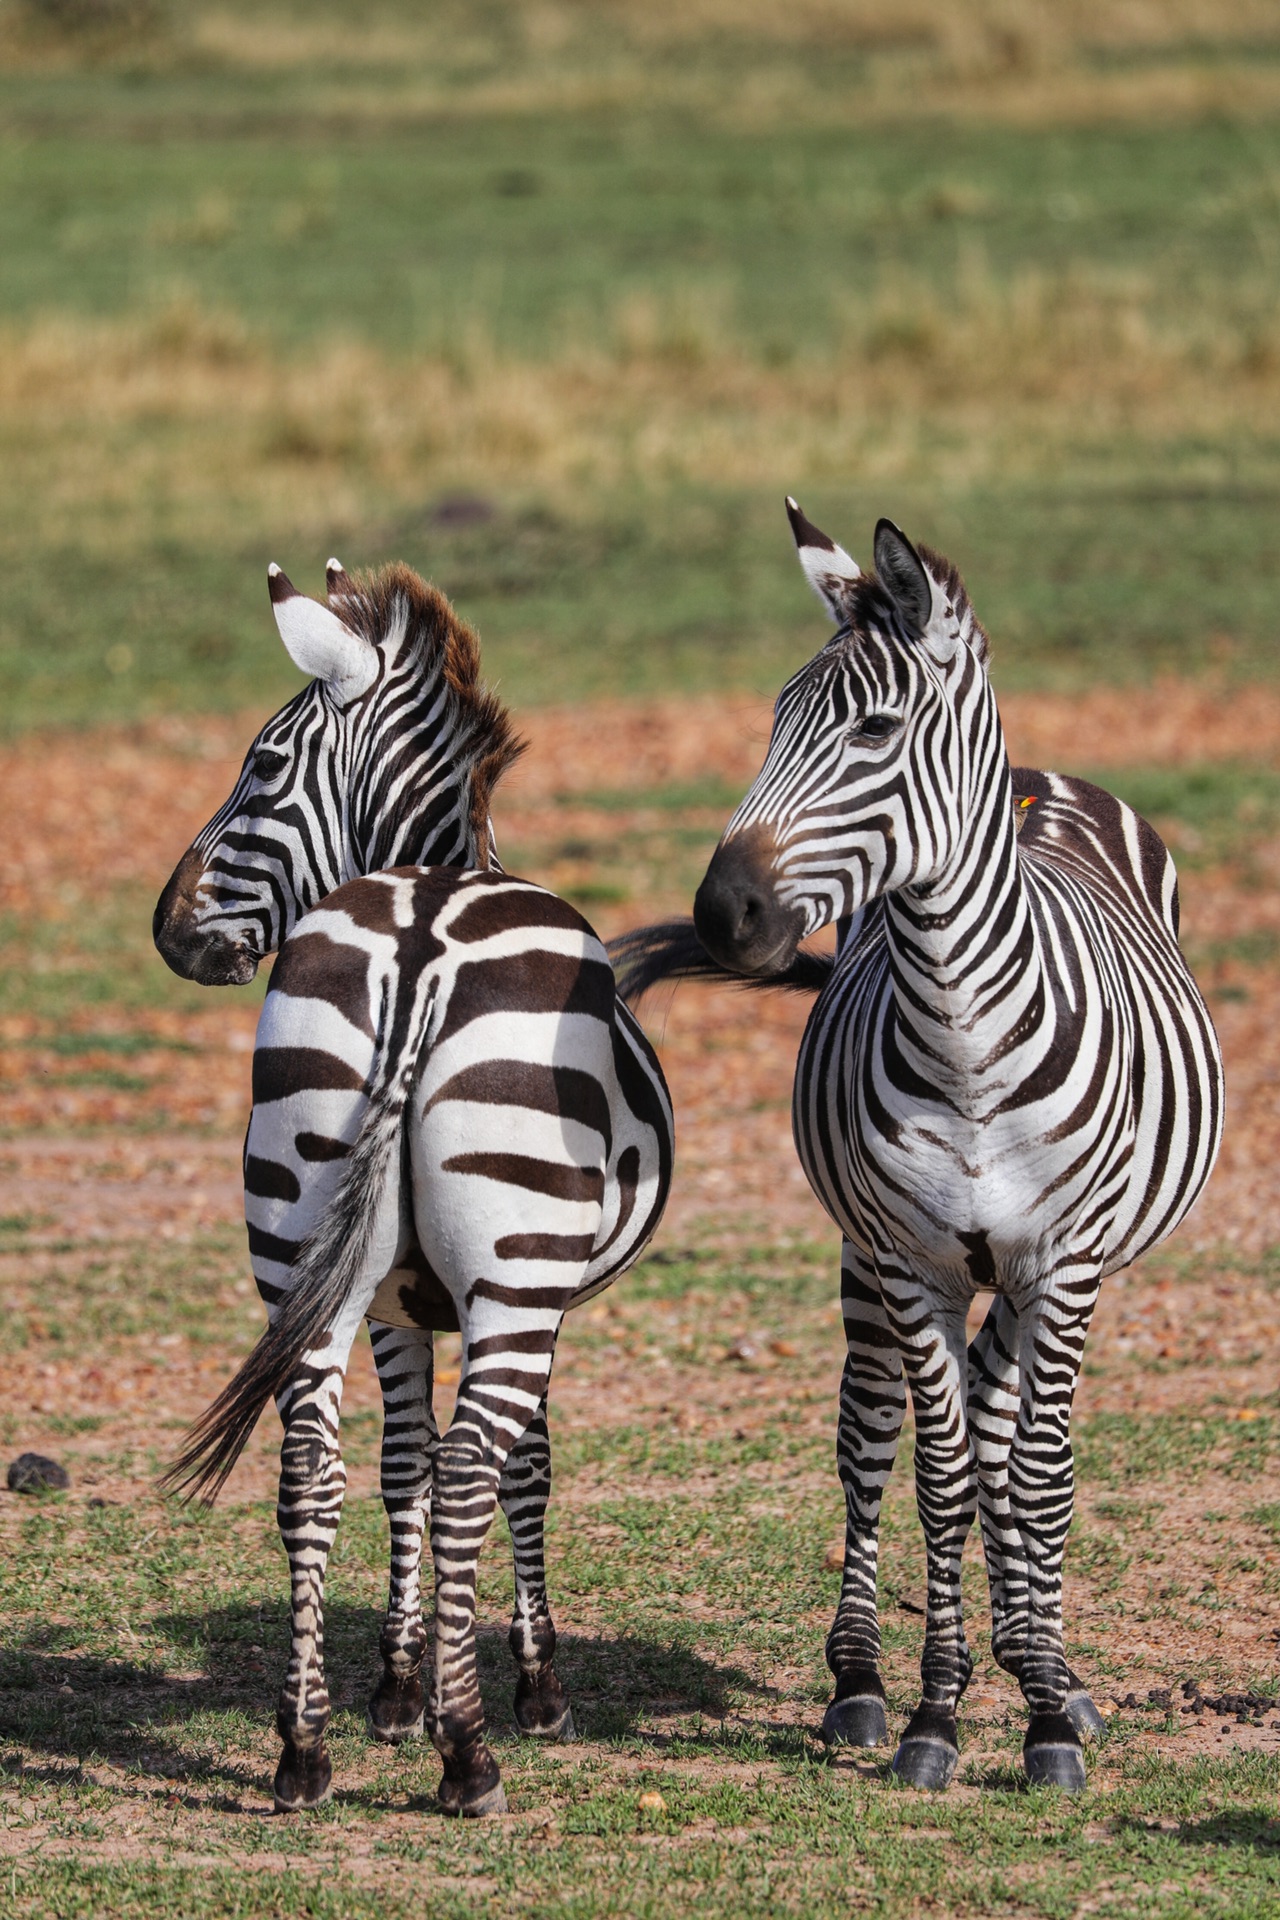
{"x":737,"y":915}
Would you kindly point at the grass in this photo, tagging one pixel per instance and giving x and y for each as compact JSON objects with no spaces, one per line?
{"x":565,"y":299}
{"x":141,"y":1646}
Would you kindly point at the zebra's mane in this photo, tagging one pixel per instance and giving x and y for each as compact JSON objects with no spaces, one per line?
{"x":395,"y":595}
{"x":870,"y":604}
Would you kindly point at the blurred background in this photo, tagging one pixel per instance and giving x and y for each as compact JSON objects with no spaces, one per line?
{"x":556,"y":300}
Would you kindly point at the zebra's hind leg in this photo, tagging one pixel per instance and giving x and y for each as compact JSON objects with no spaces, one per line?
{"x":872,"y":1406}
{"x":312,"y":1483}
{"x":1041,"y":1496}
{"x":541,"y":1704}
{"x":993,"y":1418}
{"x":404,"y":1358}
{"x":931,"y":1339}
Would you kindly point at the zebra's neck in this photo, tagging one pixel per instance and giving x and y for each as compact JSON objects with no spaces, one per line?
{"x":964,"y":949}
{"x":411,"y":797}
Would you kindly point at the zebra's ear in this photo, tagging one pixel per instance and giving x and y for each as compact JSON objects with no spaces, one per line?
{"x":829,"y":570}
{"x":902,"y":573}
{"x":317,"y":642}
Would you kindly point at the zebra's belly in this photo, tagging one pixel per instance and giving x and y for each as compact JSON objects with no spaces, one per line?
{"x":993,"y":1205}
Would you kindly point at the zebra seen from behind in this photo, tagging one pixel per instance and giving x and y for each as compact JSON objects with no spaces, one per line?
{"x":456,"y":1124}
{"x":1009,"y":1081}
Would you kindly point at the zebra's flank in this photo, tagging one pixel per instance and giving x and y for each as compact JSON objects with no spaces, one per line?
{"x":645,"y":957}
{"x":330,"y":1264}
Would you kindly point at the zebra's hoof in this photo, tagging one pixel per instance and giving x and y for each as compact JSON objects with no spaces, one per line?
{"x":1052,"y":1754}
{"x":303,"y":1779}
{"x":928,"y":1753}
{"x":476,"y":1802}
{"x":542,"y":1708}
{"x":1081,"y":1712}
{"x":856,"y":1722}
{"x":472,"y":1786}
{"x":396,"y":1710}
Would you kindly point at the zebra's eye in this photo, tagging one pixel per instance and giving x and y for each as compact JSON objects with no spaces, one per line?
{"x":876,"y":726}
{"x":267,"y":763}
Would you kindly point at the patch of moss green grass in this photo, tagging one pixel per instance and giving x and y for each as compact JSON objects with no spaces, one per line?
{"x":142,"y":1644}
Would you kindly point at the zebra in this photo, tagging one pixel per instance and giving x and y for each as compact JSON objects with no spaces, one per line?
{"x":1009,"y":1081}
{"x":456,"y":1124}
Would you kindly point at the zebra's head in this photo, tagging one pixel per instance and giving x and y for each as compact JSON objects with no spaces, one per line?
{"x":388,"y":758}
{"x":876,"y":751}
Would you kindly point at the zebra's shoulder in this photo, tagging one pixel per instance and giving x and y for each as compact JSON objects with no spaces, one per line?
{"x":1082,"y":829}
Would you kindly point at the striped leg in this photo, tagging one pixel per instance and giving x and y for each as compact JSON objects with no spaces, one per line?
{"x":313,"y":1480}
{"x":495,"y":1405}
{"x":994,"y":1390}
{"x":872,"y":1405}
{"x":1041,"y":1497}
{"x":541,"y":1705}
{"x":404,"y":1358}
{"x":931,"y":1339}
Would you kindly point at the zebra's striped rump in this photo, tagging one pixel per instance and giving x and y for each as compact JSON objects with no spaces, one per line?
{"x":1009,"y":1080}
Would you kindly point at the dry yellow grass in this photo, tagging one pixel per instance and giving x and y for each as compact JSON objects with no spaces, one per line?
{"x":1016,"y":62}
{"x":184,"y":412}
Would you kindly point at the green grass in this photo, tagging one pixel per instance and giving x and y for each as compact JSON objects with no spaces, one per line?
{"x":142,"y":1643}
{"x":1038,"y":347}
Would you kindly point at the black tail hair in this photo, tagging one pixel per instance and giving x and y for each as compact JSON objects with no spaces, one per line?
{"x":329,"y":1266}
{"x":671,"y":950}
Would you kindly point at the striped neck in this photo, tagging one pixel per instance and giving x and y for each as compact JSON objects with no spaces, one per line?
{"x":964,"y":950}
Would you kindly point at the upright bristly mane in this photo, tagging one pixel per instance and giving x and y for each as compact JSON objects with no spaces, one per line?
{"x":396,"y":599}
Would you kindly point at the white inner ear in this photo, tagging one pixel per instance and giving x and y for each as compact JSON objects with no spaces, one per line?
{"x":942,"y":633}
{"x":318,"y":643}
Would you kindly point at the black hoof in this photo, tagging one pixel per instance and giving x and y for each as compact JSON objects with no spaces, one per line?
{"x":472,"y":1786}
{"x":855,"y":1717}
{"x":1081,"y":1712}
{"x":542,"y":1707}
{"x":928,"y":1753}
{"x":304,"y":1779}
{"x":1052,"y":1755}
{"x":396,"y":1709}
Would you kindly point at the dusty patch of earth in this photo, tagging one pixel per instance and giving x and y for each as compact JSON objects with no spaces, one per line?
{"x":139,"y":1145}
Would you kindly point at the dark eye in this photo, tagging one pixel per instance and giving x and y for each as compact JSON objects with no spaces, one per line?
{"x":876,"y":726}
{"x":267,"y":763}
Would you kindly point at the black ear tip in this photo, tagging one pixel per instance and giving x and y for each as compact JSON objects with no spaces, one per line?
{"x":884,"y":527}
{"x":803,"y":531}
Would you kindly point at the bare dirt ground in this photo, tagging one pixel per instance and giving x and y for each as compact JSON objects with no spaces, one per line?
{"x":141,"y":1142}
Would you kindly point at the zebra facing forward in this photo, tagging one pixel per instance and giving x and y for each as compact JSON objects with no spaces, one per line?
{"x":456,"y":1124}
{"x":1009,"y":1081}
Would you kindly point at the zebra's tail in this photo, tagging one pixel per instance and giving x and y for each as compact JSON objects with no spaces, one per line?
{"x":330,"y":1264}
{"x":647,"y":956}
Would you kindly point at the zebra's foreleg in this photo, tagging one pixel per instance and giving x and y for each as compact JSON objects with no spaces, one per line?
{"x":872,"y":1405}
{"x":313,"y":1480}
{"x":932,"y":1343}
{"x":994,"y":1388}
{"x":541,"y":1704}
{"x":404,"y":1358}
{"x":1041,"y":1496}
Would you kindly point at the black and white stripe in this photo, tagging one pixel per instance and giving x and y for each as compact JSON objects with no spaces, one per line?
{"x":456,"y":1124}
{"x":1009,"y":1081}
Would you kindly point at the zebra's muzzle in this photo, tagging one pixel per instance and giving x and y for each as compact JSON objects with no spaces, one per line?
{"x":203,"y":954}
{"x":737,"y":914}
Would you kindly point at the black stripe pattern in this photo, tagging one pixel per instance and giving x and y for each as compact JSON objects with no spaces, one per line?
{"x":456,"y":1124}
{"x":1009,"y":1081}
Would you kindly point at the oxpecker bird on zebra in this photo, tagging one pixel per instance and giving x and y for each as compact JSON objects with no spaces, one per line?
{"x":456,"y":1124}
{"x":1009,"y":1081}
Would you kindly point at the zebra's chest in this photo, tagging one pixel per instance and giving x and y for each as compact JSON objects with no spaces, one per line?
{"x":903,"y":1148}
